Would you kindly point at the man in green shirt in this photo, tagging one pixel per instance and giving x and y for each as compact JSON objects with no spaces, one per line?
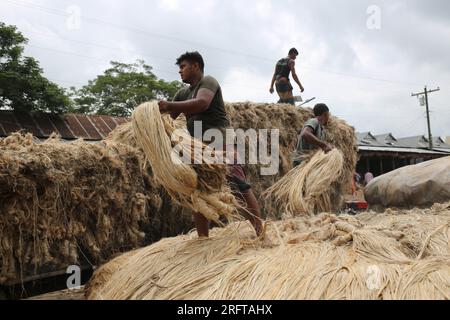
{"x":202,"y":102}
{"x":312,"y":134}
{"x":280,"y":78}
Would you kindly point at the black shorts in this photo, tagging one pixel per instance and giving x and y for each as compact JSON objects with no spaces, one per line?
{"x":283,"y":86}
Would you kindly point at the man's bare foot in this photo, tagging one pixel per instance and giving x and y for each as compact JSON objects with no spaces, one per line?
{"x":259,"y":227}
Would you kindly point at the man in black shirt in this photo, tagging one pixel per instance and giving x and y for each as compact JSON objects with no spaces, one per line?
{"x":280,"y":78}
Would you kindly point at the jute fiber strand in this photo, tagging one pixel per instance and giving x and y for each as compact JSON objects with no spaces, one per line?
{"x":309,"y":188}
{"x":153,"y":133}
{"x":393,"y":255}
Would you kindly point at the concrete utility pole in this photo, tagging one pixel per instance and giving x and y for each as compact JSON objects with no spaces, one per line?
{"x":425,"y":93}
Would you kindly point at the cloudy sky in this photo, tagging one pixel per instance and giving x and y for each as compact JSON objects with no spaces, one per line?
{"x":362,"y":58}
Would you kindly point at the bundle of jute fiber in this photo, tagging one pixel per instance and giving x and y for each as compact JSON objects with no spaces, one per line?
{"x":393,"y":255}
{"x":203,"y":190}
{"x":76,"y":203}
{"x":309,"y":188}
{"x":289,"y":120}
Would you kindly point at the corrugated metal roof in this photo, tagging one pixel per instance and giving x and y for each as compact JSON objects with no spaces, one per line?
{"x":69,"y":127}
{"x":367,"y":139}
{"x":442,"y":150}
{"x":403,"y":150}
{"x":422,"y":142}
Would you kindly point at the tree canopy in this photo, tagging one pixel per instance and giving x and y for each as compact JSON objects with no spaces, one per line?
{"x":122,"y":88}
{"x":23,"y":86}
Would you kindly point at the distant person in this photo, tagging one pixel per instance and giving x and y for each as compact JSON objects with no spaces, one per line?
{"x":280,"y":78}
{"x":368,"y":177}
{"x":312,"y":134}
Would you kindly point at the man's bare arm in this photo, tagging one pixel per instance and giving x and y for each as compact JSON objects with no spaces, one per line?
{"x":295,"y":77}
{"x":274,"y":78}
{"x":308,"y":134}
{"x":194,"y":106}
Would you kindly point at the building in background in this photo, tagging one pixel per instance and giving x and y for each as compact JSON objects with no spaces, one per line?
{"x":380,"y":154}
{"x":68,"y":127}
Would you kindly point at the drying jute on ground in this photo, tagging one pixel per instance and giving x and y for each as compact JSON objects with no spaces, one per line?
{"x":392,"y":255}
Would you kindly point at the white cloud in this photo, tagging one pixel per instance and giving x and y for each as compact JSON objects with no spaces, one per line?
{"x":169,"y":4}
{"x":264,"y":8}
{"x":244,"y":85}
{"x":332,"y":38}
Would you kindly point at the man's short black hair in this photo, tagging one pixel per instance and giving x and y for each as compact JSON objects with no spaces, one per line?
{"x":293,"y":51}
{"x":320,"y":109}
{"x":192,"y":57}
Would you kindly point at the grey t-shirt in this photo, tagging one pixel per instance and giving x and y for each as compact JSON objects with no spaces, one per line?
{"x":213,"y":118}
{"x":318,"y":131}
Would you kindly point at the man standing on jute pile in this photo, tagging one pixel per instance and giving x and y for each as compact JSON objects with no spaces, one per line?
{"x":202,"y":102}
{"x":280,"y":78}
{"x":312,"y":134}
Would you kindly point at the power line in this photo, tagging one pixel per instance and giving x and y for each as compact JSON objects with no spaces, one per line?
{"x":66,"y":52}
{"x":99,"y":45}
{"x":63,"y":13}
{"x":411,"y":123}
{"x":178,"y":40}
{"x":115,"y":49}
{"x":102,"y":59}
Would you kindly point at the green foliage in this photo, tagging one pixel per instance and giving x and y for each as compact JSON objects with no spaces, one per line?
{"x":121,"y":89}
{"x":23,"y":86}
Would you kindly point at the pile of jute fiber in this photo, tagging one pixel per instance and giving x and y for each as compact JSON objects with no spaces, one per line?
{"x":393,"y":255}
{"x":64,"y":203}
{"x":76,"y":203}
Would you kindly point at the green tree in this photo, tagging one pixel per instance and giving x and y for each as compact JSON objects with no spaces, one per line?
{"x":121,"y":89}
{"x":23,"y":87}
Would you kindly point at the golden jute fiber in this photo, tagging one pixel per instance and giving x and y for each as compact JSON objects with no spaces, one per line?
{"x":395,"y":255}
{"x":154,"y":133}
{"x":310,"y":187}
